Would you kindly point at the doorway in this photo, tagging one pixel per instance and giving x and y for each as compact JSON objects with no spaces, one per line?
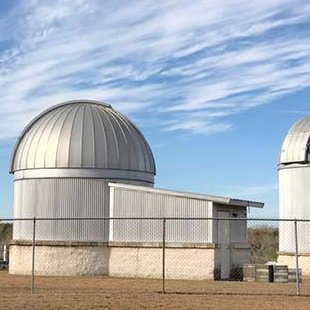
{"x":223,"y":239}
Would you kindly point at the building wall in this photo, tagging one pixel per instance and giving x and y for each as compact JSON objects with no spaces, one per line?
{"x":59,"y":260}
{"x":189,"y":262}
{"x":237,"y":228}
{"x":290,"y":260}
{"x":60,"y":198}
{"x":135,"y":203}
{"x":240,"y":255}
{"x":294,"y":200}
{"x":119,"y":261}
{"x":65,"y":197}
{"x":186,"y":258}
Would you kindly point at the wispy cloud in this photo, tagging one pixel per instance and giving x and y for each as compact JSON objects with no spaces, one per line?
{"x":190,"y":64}
{"x":300,"y":112}
{"x":251,"y":192}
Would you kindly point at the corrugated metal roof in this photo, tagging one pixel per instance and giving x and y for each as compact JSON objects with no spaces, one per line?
{"x":295,"y":148}
{"x":217,"y":199}
{"x":82,"y":134}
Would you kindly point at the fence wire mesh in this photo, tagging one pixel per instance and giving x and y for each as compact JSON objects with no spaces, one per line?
{"x":175,"y":255}
{"x":6,"y":236}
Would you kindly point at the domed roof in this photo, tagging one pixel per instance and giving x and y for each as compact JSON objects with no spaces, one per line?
{"x":295,"y":148}
{"x":82,"y":134}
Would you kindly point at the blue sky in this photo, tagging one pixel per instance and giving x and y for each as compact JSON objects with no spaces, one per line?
{"x":213,"y":85}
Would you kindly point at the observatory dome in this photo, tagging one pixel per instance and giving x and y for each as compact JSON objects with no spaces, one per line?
{"x":294,"y":189}
{"x":295,"y":148}
{"x":63,"y":163}
{"x":82,"y":134}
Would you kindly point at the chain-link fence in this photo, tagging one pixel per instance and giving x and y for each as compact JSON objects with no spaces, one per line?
{"x":5,"y":238}
{"x":176,"y":255}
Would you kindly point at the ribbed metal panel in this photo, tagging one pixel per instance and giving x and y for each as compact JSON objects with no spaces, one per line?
{"x":294,"y":201}
{"x":295,"y":148}
{"x":82,"y":134}
{"x":135,"y":203}
{"x":61,"y":198}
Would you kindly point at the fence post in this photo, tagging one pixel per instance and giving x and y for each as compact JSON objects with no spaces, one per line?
{"x":164,"y":257}
{"x":33,"y":254}
{"x":5,"y":252}
{"x":297,"y":259}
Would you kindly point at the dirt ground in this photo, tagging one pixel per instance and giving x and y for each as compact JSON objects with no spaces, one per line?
{"x":112,"y":293}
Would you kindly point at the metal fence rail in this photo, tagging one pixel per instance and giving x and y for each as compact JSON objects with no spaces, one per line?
{"x":185,"y":254}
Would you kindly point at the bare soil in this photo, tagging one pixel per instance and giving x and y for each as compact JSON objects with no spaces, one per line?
{"x":115,"y":293}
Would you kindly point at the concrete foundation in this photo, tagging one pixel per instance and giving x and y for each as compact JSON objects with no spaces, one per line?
{"x":180,"y":263}
{"x":59,"y":260}
{"x":186,"y":261}
{"x":289,"y":259}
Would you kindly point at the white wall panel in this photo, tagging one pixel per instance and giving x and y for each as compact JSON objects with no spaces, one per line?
{"x":60,"y":198}
{"x":142,"y":203}
{"x":294,"y":200}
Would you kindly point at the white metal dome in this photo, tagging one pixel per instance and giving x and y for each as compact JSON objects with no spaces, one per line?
{"x":82,"y":134}
{"x":295,"y":148}
{"x":294,"y":193}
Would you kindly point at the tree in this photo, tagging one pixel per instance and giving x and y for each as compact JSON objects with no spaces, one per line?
{"x":6,"y":230}
{"x":264,"y":243}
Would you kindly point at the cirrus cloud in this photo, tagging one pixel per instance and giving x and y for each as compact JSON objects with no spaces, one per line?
{"x":190,"y":64}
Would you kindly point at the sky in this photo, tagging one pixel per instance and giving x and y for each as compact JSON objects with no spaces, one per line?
{"x":213,"y":85}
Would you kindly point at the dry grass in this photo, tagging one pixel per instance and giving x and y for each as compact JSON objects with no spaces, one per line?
{"x":111,"y":293}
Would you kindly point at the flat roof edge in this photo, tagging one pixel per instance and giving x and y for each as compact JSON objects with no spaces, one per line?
{"x":217,"y":199}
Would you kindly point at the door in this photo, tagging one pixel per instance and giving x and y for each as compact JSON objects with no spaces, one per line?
{"x":223,"y":239}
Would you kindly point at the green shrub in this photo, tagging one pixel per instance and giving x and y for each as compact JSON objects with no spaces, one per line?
{"x":6,"y":230}
{"x":264,"y":243}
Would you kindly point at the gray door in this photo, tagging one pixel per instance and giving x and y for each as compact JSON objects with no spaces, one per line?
{"x":223,"y":239}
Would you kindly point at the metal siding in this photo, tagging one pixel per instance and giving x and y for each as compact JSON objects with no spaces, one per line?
{"x":33,"y":143}
{"x":89,"y":145}
{"x":295,"y":146}
{"x":294,"y":200}
{"x":75,"y":141}
{"x":92,"y":136}
{"x":112,"y":143}
{"x":43,"y":137}
{"x":211,"y":235}
{"x":223,"y":239}
{"x":135,"y":203}
{"x":238,"y":228}
{"x":63,"y":147}
{"x":50,"y":159}
{"x":60,"y":198}
{"x":188,"y":195}
{"x":101,"y":142}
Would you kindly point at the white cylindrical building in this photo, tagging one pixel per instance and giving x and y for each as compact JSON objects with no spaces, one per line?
{"x":294,"y":195}
{"x":62,"y":164}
